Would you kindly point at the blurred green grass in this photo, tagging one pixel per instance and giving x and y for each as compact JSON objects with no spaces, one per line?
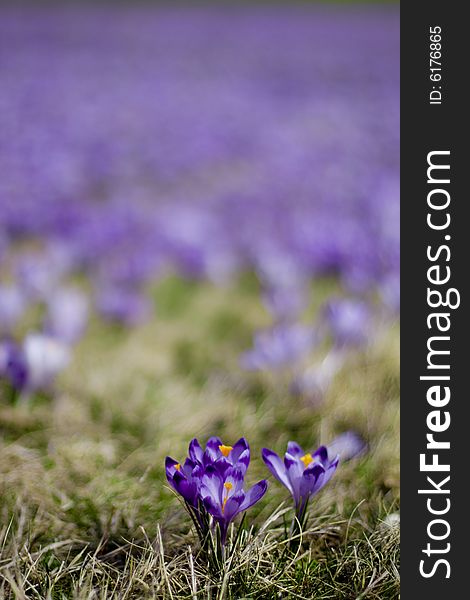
{"x":82,"y":473}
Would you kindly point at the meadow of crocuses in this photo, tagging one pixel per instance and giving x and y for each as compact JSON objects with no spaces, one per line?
{"x":199,"y":244}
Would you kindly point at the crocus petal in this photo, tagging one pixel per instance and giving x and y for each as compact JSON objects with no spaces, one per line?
{"x":188,"y":467}
{"x":254,"y":494}
{"x":212,"y":484}
{"x":294,"y":449}
{"x":170,"y":470}
{"x":212,"y":452}
{"x":309,"y":480}
{"x":244,"y":460}
{"x":232,"y":506}
{"x":321,"y":454}
{"x":222,"y":464}
{"x":170,"y":462}
{"x":187,"y":489}
{"x":197,"y":473}
{"x":277,"y":467}
{"x":238,"y":449}
{"x":330,"y":470}
{"x":294,"y":468}
{"x":212,"y":507}
{"x":325,"y":477}
{"x":234,"y":478}
{"x":195,"y":451}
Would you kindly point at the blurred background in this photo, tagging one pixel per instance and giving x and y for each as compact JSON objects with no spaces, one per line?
{"x":209,"y":138}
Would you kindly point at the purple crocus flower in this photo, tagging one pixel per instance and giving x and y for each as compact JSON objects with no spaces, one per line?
{"x":185,"y":478}
{"x":302,"y":473}
{"x":210,"y":482}
{"x":223,"y":495}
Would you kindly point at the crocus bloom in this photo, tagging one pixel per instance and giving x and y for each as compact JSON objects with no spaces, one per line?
{"x":185,"y":478}
{"x":223,"y":495}
{"x":302,"y":473}
{"x":211,"y":482}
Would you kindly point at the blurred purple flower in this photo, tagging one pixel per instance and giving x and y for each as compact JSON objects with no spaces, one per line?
{"x":13,"y":365}
{"x":282,"y":345}
{"x":347,"y":445}
{"x":349,"y":321}
{"x":285,"y":301}
{"x":35,"y":363}
{"x":39,"y":274}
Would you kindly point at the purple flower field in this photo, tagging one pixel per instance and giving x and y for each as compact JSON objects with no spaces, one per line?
{"x":211,"y":139}
{"x":199,"y":236}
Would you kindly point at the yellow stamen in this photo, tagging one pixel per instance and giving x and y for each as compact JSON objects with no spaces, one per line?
{"x":225,"y":450}
{"x":228,"y":486}
{"x":306,"y":459}
{"x":177,"y":466}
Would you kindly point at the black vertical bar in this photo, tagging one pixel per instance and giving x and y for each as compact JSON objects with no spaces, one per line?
{"x":425,"y":128}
